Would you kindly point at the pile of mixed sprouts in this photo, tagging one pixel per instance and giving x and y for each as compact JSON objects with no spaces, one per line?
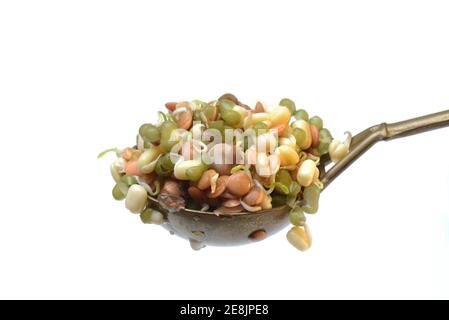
{"x":226,"y":157}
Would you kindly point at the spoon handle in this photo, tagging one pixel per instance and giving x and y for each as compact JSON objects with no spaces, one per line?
{"x":417,"y":125}
{"x":367,"y":138}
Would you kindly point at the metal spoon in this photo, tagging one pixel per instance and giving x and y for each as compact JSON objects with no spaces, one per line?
{"x":207,"y":228}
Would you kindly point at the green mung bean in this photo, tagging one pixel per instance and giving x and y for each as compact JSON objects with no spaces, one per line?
{"x":164,"y":166}
{"x":302,"y":115}
{"x":195,"y":173}
{"x":325,"y":138}
{"x":289,"y":104}
{"x":311,"y":196}
{"x":317,"y":122}
{"x":278,"y":200}
{"x":231,"y":117}
{"x":283,"y":182}
{"x":129,"y":180}
{"x":167,"y":129}
{"x":210,"y":112}
{"x":297,"y":217}
{"x":150,"y":133}
{"x":117,"y":193}
{"x":150,"y":216}
{"x":300,"y":136}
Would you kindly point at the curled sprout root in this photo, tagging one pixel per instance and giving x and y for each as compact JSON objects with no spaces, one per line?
{"x":338,"y":150}
{"x":152,"y":192}
{"x":348,"y":138}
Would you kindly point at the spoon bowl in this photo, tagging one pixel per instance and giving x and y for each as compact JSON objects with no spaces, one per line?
{"x":224,"y":229}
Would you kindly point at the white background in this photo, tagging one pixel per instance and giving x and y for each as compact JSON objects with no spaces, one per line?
{"x":77,"y":77}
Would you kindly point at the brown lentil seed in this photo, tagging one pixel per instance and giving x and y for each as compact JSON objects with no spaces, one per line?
{"x":171,"y":188}
{"x":213,"y":116}
{"x":220,"y":189}
{"x":263,"y":180}
{"x":149,"y":179}
{"x":230,"y":97}
{"x":205,"y":180}
{"x":229,"y":196}
{"x":171,"y":106}
{"x":231,"y":203}
{"x":259,"y":107}
{"x":254,"y":197}
{"x":197,"y":194}
{"x":223,"y":169}
{"x":239,"y":184}
{"x":185,"y":119}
